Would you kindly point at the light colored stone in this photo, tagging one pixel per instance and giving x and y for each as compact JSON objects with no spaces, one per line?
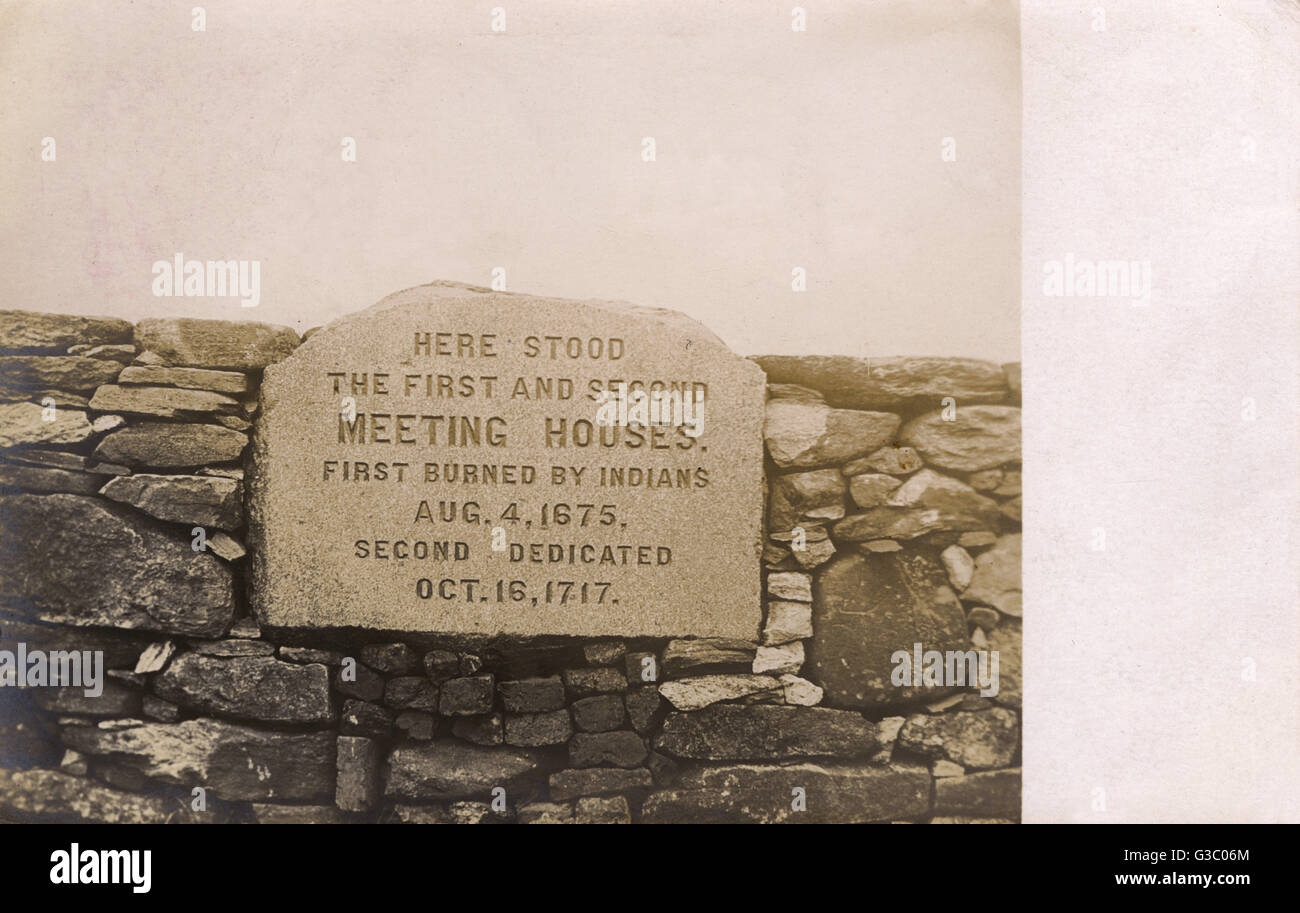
{"x":703,"y":690}
{"x":959,"y":565}
{"x":779,"y":659}
{"x":189,"y":378}
{"x":942,"y":768}
{"x":790,"y":586}
{"x":201,"y":500}
{"x":695,"y":655}
{"x":809,"y":435}
{"x":786,"y":622}
{"x":155,"y":657}
{"x":230,"y":761}
{"x":24,"y":424}
{"x":871,"y":489}
{"x":800,"y":692}
{"x":996,"y":580}
{"x":303,"y":527}
{"x":927,"y":502}
{"x":976,"y":740}
{"x":224,"y":546}
{"x":980,"y":437}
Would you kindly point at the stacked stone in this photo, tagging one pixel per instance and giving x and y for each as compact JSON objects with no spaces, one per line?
{"x":894,"y":509}
{"x":888,"y":524}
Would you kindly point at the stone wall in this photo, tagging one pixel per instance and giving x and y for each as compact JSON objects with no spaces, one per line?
{"x":893,"y":520}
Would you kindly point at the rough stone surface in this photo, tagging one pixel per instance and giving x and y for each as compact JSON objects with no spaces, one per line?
{"x":231,"y":761}
{"x":357,"y":784}
{"x":790,"y":586}
{"x":481,"y":730}
{"x":532,"y":695}
{"x":898,"y":461}
{"x":533,"y":730}
{"x":58,"y":797}
{"x":1006,"y":639}
{"x":48,"y":481}
{"x":450,"y":770}
{"x":992,"y":794}
{"x":621,"y":748}
{"x":67,"y":372}
{"x":871,"y":488}
{"x":765,"y":732}
{"x":597,"y":781}
{"x":975,"y":740}
{"x":201,"y":500}
{"x":786,"y":622}
{"x":466,"y":696}
{"x":981,"y":437}
{"x":778,"y":660}
{"x":860,"y":383}
{"x":760,"y":794}
{"x":643,"y":706}
{"x":171,"y":445}
{"x":997,"y":577}
{"x":367,"y":719}
{"x":303,"y":527}
{"x":959,"y":565}
{"x":693,"y":657}
{"x":114,"y":700}
{"x":703,"y":690}
{"x":800,"y":692}
{"x":867,"y":608}
{"x":800,"y":497}
{"x":33,"y":331}
{"x":586,"y":682}
{"x":599,"y":713}
{"x":270,"y":813}
{"x":803,"y":435}
{"x":241,"y":346}
{"x":411,"y":692}
{"x":925,"y":503}
{"x":75,"y":560}
{"x":249,"y":687}
{"x":24,"y":424}
{"x":163,"y":402}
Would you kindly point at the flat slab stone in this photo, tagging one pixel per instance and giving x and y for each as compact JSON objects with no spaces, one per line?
{"x":205,"y":500}
{"x":189,"y":378}
{"x":395,"y":444}
{"x":171,"y":445}
{"x":32,"y":331}
{"x":60,"y":372}
{"x":860,"y":383}
{"x":231,"y":761}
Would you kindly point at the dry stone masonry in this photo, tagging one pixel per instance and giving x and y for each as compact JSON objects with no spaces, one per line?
{"x":184,"y":499}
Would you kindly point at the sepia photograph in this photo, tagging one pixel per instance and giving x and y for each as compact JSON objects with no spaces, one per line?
{"x":603,"y":413}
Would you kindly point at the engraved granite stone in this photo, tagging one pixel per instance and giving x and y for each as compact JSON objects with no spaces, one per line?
{"x":454,"y":460}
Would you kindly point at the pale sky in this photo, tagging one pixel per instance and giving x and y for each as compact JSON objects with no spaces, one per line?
{"x":775,"y":149}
